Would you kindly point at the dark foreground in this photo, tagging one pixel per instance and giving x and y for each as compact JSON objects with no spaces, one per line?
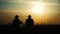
{"x":33,"y":29}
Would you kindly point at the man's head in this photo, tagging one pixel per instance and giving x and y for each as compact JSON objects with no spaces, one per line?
{"x":16,"y":17}
{"x":29,"y":16}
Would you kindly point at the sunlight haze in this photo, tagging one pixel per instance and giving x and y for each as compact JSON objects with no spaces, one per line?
{"x":42,"y":11}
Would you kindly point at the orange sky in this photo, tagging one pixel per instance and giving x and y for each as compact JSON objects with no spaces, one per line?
{"x":46,"y":12}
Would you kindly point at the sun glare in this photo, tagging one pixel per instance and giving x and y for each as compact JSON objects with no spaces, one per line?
{"x":37,"y":8}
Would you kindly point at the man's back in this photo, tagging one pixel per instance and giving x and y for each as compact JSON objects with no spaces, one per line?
{"x":29,"y":21}
{"x":16,"y":22}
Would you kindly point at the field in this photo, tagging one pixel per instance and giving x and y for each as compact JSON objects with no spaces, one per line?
{"x":30,"y":29}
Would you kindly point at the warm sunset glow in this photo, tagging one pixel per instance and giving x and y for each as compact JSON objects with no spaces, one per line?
{"x":42,"y":11}
{"x":37,"y":8}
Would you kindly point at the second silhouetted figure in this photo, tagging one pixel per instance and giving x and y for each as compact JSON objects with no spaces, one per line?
{"x":29,"y":21}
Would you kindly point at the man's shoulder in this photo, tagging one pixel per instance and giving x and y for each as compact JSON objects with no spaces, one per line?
{"x":31,"y":19}
{"x":27,"y":19}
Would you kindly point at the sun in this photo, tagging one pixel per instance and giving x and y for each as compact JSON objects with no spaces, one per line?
{"x":37,"y":8}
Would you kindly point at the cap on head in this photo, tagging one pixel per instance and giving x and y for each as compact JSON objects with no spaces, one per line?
{"x":29,"y":15}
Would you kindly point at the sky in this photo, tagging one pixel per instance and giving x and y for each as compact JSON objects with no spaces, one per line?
{"x":42,"y":11}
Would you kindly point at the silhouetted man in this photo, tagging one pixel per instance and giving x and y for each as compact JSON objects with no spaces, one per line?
{"x":29,"y":21}
{"x":16,"y":22}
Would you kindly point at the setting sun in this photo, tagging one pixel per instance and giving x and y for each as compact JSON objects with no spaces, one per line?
{"x":37,"y":8}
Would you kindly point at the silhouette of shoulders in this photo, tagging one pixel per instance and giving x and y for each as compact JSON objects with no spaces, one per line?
{"x":29,"y":21}
{"x":16,"y":21}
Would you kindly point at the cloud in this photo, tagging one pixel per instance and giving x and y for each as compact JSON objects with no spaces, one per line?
{"x":51,"y":1}
{"x":17,"y":4}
